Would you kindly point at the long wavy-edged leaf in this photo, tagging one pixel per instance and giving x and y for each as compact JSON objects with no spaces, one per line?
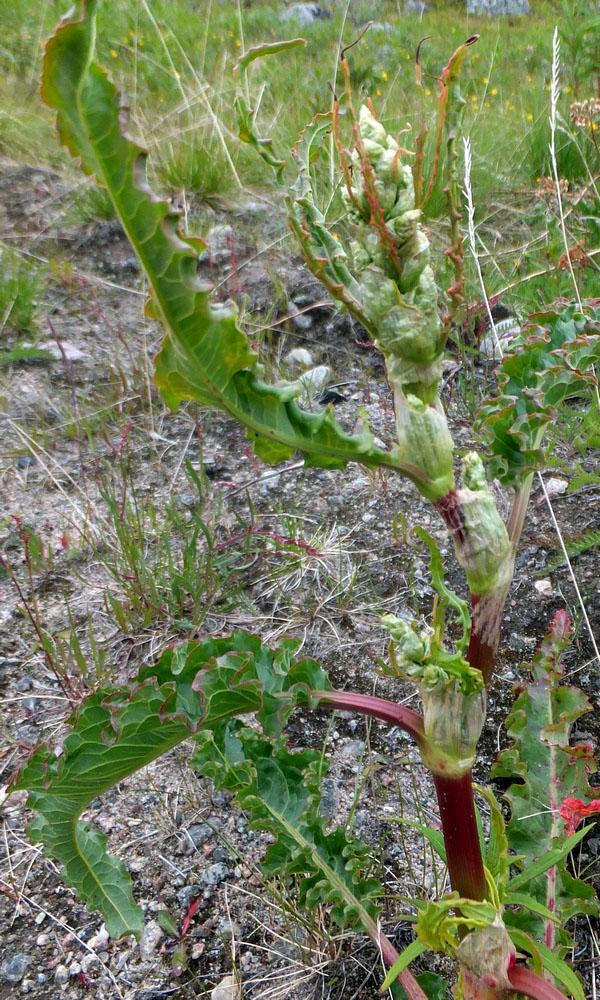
{"x":205,"y":355}
{"x":117,"y":731}
{"x":549,"y":769}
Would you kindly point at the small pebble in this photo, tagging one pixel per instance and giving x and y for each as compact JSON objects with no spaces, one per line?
{"x":299,"y":358}
{"x":315,"y":379}
{"x":214,"y":874}
{"x":23,"y":684}
{"x":150,"y":939}
{"x":228,"y":989}
{"x":14,"y":968}
{"x":61,"y":975}
{"x":199,"y":833}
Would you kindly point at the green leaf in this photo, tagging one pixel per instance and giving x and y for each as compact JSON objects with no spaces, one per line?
{"x":205,"y":355}
{"x":281,"y":792}
{"x":551,"y":360}
{"x":549,"y":859}
{"x":523,"y":899}
{"x":117,"y":731}
{"x":412,"y":951}
{"x":548,"y":769}
{"x":268,"y":49}
{"x":167,"y":922}
{"x":435,"y":838}
{"x":496,"y":857}
{"x":546,"y":959}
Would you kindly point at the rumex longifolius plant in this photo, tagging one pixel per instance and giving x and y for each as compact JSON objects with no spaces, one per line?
{"x":199,"y":690}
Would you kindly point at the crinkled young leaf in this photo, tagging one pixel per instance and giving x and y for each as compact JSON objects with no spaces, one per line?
{"x":549,"y":770}
{"x":205,"y":355}
{"x":119,"y":730}
{"x":552,"y":359}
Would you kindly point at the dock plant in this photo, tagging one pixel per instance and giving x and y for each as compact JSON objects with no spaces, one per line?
{"x":512,"y":894}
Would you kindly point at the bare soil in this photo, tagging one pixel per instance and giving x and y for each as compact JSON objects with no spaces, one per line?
{"x":70,"y":430}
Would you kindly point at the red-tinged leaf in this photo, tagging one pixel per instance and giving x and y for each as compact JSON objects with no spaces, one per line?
{"x":552,"y":773}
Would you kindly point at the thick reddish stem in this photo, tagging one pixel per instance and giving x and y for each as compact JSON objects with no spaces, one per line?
{"x":481,"y":652}
{"x":486,"y":620}
{"x":531,"y":985}
{"x":461,"y":838}
{"x":379,"y":708}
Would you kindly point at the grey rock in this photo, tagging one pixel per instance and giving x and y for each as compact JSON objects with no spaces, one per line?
{"x":150,"y":939}
{"x":305,"y":13}
{"x":301,"y":320}
{"x":329,"y":799}
{"x":15,"y":967}
{"x":186,"y":896}
{"x":498,"y":8}
{"x":24,"y":683}
{"x":61,"y":975}
{"x":315,"y":379}
{"x":214,"y":874}
{"x":221,"y":798}
{"x":64,"y":352}
{"x":31,"y":704}
{"x":227,"y":989}
{"x":200,"y":833}
{"x":228,"y":929}
{"x":218,"y":244}
{"x":352,"y":750}
{"x":220,"y":854}
{"x":299,"y":358}
{"x":25,"y":461}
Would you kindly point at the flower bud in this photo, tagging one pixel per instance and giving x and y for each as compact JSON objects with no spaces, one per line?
{"x":424,"y":440}
{"x":484,"y":551}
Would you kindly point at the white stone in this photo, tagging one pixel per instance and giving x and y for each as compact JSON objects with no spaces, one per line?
{"x":555,"y":486}
{"x":315,"y":379}
{"x":150,"y":939}
{"x":227,"y":989}
{"x":66,"y":351}
{"x":299,"y":358}
{"x":543,"y":587}
{"x":99,"y":940}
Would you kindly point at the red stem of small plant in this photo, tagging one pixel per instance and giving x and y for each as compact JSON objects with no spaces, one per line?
{"x":461,"y":837}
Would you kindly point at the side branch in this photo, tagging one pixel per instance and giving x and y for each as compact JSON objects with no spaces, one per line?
{"x":378,"y":708}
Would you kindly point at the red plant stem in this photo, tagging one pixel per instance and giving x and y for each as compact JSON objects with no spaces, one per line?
{"x":378,"y":708}
{"x":461,"y":838}
{"x":529,"y":984}
{"x":455,"y":795}
{"x":487,"y":608}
